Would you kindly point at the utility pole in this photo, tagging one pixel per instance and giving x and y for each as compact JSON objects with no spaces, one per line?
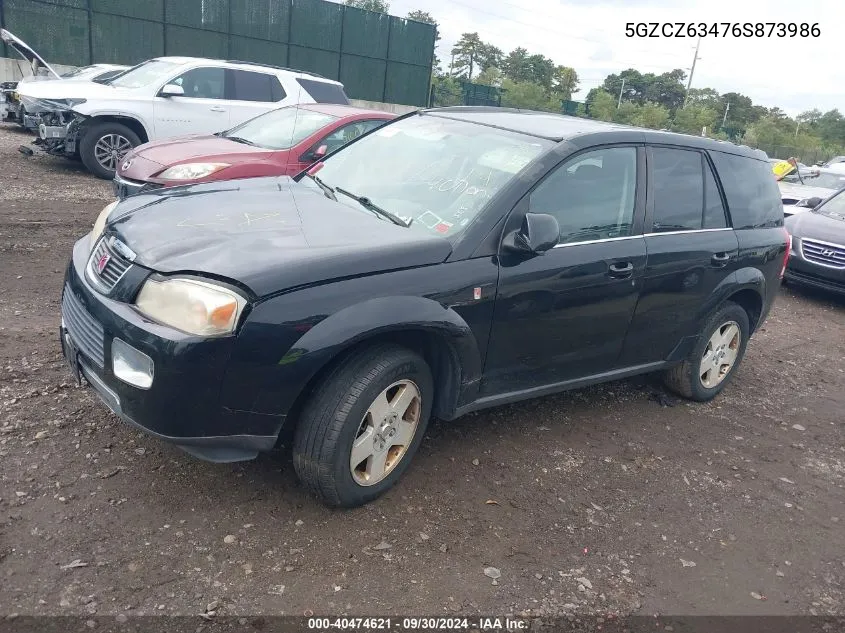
{"x":619,"y":103}
{"x":692,"y":70}
{"x":796,"y":129}
{"x":725,"y":118}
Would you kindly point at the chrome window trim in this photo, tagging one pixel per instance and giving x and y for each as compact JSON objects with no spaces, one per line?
{"x":689,"y":231}
{"x":606,"y":239}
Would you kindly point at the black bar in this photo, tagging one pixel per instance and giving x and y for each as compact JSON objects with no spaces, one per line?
{"x":90,"y":32}
{"x":387,"y":59}
{"x":340,"y":47}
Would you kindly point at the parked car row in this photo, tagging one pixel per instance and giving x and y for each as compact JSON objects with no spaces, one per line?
{"x":162,"y":98}
{"x":444,"y":262}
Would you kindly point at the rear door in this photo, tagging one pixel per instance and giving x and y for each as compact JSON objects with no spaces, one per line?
{"x":249,"y":94}
{"x":691,"y":250}
{"x":563,"y":315}
{"x":201,"y":110}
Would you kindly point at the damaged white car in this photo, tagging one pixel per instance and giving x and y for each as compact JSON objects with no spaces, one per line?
{"x":162,"y":98}
{"x":39,"y":70}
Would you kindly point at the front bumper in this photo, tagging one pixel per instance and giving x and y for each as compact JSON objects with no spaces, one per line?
{"x":807,"y":273}
{"x":182,"y":406}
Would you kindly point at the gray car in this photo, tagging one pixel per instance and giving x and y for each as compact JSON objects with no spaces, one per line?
{"x":817,"y":257}
{"x":806,"y":184}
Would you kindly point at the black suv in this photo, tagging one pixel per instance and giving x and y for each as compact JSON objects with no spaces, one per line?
{"x":452,"y":260}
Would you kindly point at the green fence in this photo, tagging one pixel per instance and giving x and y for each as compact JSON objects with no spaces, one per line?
{"x":378,"y":57}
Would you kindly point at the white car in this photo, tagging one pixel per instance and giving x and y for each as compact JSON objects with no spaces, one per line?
{"x":42,"y":71}
{"x":796,"y":190}
{"x":162,"y":98}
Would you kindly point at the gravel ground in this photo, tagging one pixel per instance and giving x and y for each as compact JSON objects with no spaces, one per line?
{"x":615,"y":499}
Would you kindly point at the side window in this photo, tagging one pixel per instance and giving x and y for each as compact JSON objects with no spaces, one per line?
{"x":250,"y":86}
{"x":347,"y":133}
{"x":203,"y":83}
{"x":714,"y":210}
{"x":678,"y":189}
{"x":751,"y":191}
{"x":591,"y":195}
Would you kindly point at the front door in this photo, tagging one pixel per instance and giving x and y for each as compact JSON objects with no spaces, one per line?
{"x":203,"y":108}
{"x":563,"y":315}
{"x":691,"y":250}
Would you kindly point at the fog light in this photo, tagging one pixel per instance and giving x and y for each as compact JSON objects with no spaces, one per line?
{"x":130,"y":365}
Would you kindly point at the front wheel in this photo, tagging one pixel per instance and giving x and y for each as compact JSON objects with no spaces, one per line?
{"x":714,"y":360}
{"x":363,"y":424}
{"x":104,"y":145}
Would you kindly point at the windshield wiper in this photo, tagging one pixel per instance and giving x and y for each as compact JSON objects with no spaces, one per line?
{"x":371,"y":206}
{"x":240,"y":139}
{"x":326,"y":189}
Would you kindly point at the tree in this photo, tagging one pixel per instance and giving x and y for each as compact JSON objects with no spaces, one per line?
{"x":601,"y":104}
{"x":426,"y":18}
{"x":652,"y":115}
{"x":705,"y":97}
{"x":466,"y":52}
{"x":741,"y":113}
{"x":489,"y":56}
{"x":516,"y":66}
{"x":810,"y":117}
{"x":490,"y":77}
{"x":694,"y":117}
{"x":379,"y":6}
{"x":564,"y":82}
{"x":527,"y":95}
{"x":542,"y":71}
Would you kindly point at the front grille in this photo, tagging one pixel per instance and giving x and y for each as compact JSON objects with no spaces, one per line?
{"x":106,"y":267}
{"x":832,"y":255}
{"x":86,"y":333}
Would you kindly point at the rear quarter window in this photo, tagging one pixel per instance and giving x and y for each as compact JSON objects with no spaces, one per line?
{"x":753,"y":197}
{"x":324,"y":92}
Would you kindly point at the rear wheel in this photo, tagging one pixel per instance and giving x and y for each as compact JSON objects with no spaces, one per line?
{"x":363,"y":424}
{"x":714,"y":360}
{"x":104,"y":145}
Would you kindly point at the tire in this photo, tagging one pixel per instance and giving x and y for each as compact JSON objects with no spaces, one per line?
{"x":689,"y":379}
{"x":338,"y":415}
{"x":95,"y":141}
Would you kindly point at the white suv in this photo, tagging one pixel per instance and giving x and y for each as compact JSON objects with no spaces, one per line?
{"x":162,"y":98}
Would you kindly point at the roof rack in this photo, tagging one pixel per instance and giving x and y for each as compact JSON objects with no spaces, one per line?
{"x":293,"y":70}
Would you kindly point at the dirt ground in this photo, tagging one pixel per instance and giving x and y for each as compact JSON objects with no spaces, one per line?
{"x":614,"y":499}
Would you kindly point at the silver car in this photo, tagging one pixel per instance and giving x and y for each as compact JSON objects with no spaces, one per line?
{"x":799,"y":187}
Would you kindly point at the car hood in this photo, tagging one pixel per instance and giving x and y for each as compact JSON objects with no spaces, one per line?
{"x":817,"y":226}
{"x":797,"y":191}
{"x":69,"y":89}
{"x":212,"y":149}
{"x":268,"y":234}
{"x":25,"y":51}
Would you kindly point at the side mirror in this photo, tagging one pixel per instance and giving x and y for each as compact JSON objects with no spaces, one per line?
{"x":810,"y":203}
{"x":172,"y":90}
{"x":539,"y":233}
{"x":315,"y":155}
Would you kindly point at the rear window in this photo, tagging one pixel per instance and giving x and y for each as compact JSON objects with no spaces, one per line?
{"x":752,"y":193}
{"x":250,"y":86}
{"x":324,"y":92}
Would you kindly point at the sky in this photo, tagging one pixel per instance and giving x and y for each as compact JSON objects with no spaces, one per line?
{"x":795,"y":74}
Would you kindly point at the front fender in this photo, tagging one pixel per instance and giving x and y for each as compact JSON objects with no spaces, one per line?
{"x":275,"y":363}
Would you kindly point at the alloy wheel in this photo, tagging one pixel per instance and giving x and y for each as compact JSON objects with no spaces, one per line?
{"x":110,"y":149}
{"x":720,"y":354}
{"x":385,"y":432}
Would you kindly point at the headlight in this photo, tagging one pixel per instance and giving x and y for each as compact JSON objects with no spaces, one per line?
{"x":100,"y":222}
{"x":194,"y":307}
{"x":191,"y":171}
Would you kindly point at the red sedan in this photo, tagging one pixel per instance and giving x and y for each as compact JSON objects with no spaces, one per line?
{"x":278,"y":143}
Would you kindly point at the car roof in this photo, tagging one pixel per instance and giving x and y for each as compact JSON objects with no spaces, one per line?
{"x":559,"y":127}
{"x":245,"y":65}
{"x":338,"y":110}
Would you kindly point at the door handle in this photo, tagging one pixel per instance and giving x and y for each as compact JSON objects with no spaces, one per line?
{"x":720,"y":260}
{"x":620,"y":270}
{"x":217,"y":109}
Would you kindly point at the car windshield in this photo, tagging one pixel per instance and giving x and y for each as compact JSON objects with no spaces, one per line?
{"x":435,"y":171}
{"x":280,"y":129}
{"x":825,"y":180}
{"x":78,"y":71}
{"x":144,"y":74}
{"x":833,"y":208}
